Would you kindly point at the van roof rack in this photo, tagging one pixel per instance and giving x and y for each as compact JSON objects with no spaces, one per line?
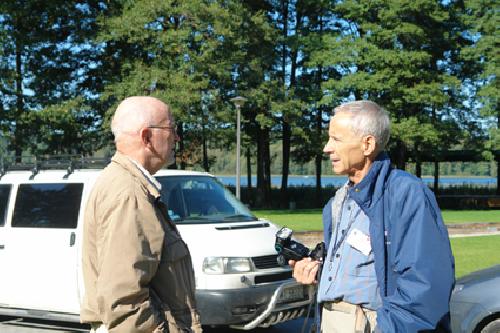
{"x":51,"y":162}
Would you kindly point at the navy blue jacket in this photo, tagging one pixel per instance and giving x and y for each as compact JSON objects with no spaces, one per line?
{"x":413,"y":260}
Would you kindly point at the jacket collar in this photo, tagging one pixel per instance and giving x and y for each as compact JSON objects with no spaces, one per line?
{"x":126,"y":163}
{"x":370,"y":189}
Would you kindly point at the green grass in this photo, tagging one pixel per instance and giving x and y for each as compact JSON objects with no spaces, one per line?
{"x":310,"y":219}
{"x":297,"y":220}
{"x":466,"y":216}
{"x":474,"y":253}
{"x":471,"y":253}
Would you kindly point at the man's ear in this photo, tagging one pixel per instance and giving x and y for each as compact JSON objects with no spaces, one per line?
{"x":369,"y":145}
{"x":145,"y":134}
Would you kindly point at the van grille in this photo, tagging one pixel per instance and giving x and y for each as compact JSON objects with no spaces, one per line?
{"x":273,"y":277}
{"x":265,"y":261}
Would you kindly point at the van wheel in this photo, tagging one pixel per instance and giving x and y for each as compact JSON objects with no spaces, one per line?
{"x":492,"y":327}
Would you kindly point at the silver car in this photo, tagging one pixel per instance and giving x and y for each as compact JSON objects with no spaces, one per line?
{"x":475,"y":302}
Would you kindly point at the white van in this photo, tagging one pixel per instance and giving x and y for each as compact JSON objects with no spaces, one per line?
{"x":238,"y":281}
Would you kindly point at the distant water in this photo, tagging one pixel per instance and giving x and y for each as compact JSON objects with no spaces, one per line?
{"x":339,"y":180}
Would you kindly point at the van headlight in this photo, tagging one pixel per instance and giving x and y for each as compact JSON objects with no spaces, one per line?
{"x":226,"y":265}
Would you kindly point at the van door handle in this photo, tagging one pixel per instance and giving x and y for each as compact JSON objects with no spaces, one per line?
{"x":72,"y":239}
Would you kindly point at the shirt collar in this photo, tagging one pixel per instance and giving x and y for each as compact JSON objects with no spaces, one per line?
{"x":146,"y":174}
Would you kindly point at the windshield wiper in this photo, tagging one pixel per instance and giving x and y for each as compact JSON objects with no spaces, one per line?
{"x":196,"y":218}
{"x":239,"y":216}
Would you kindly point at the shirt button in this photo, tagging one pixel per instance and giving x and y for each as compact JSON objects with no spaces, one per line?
{"x":349,"y":207}
{"x":329,"y":278}
{"x":337,"y":255}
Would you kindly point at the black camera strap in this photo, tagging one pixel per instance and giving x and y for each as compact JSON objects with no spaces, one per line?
{"x":308,"y":314}
{"x":342,"y":238}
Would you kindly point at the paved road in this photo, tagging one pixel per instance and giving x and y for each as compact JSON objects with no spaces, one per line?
{"x":19,"y":325}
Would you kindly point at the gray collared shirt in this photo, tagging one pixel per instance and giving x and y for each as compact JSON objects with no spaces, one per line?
{"x":348,"y":274}
{"x":146,"y":174}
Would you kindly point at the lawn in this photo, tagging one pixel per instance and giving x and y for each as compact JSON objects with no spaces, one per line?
{"x":474,"y":253}
{"x":310,"y":219}
{"x":471,"y":253}
{"x":298,"y":220}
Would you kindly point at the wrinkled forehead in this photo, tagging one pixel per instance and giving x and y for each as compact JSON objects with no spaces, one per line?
{"x":340,"y":123}
{"x":162,"y":114}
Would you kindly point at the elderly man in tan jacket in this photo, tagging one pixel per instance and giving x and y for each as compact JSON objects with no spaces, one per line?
{"x":137,"y":270}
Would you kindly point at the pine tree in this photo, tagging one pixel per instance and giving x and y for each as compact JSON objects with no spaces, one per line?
{"x":43,"y":57}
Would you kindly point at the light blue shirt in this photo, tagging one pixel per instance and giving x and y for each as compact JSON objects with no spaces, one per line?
{"x":348,"y":274}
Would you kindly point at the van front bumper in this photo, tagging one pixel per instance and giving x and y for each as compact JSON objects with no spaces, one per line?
{"x":259,"y":305}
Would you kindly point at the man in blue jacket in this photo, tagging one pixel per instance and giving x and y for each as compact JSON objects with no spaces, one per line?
{"x":389,"y":266}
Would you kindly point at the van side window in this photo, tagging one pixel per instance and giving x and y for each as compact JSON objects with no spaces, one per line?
{"x":47,"y":206}
{"x":4,"y":201}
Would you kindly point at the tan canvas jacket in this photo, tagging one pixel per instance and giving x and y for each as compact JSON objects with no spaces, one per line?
{"x":136,"y":268}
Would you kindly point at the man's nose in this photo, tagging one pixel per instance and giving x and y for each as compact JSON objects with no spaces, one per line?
{"x":328,"y":147}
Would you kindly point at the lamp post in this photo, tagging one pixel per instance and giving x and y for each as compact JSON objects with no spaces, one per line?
{"x":238,"y":101}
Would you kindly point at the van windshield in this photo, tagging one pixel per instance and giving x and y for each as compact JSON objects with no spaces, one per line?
{"x":201,"y":199}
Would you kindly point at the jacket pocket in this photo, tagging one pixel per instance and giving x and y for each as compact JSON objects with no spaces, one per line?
{"x":174,"y":251}
{"x":365,"y":266}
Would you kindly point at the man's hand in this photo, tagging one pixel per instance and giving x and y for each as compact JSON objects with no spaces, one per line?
{"x":305,"y":270}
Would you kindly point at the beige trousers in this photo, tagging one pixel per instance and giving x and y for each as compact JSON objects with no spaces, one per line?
{"x":343,"y":317}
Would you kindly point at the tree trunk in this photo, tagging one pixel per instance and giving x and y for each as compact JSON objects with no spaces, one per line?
{"x":18,"y":134}
{"x":267,"y":168}
{"x":319,"y":129}
{"x":249,"y":171}
{"x":497,"y":159}
{"x":399,"y":157}
{"x":418,"y":163}
{"x":263,"y":198}
{"x":286,"y":133}
{"x":436,"y":178}
{"x":319,"y":198}
{"x":319,"y":156}
{"x":180,"y":133}
{"x":260,"y":168}
{"x":204,"y":147}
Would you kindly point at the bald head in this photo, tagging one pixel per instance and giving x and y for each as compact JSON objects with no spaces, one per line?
{"x":144,"y":130}
{"x":135,"y":113}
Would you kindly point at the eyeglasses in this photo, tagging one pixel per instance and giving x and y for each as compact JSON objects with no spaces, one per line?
{"x":170,"y":128}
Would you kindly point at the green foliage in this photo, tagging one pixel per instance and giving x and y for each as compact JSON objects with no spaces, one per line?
{"x":393,"y":52}
{"x":64,"y":67}
{"x":482,"y":19}
{"x":44,"y":57}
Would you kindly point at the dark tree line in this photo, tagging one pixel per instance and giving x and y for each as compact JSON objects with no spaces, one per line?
{"x":64,"y":66}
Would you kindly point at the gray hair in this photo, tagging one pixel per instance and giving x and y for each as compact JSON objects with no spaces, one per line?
{"x":368,"y":118}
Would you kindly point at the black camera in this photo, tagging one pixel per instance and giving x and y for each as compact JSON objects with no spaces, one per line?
{"x":289,"y":249}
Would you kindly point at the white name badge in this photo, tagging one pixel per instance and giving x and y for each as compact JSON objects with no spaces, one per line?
{"x":360,"y":241}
